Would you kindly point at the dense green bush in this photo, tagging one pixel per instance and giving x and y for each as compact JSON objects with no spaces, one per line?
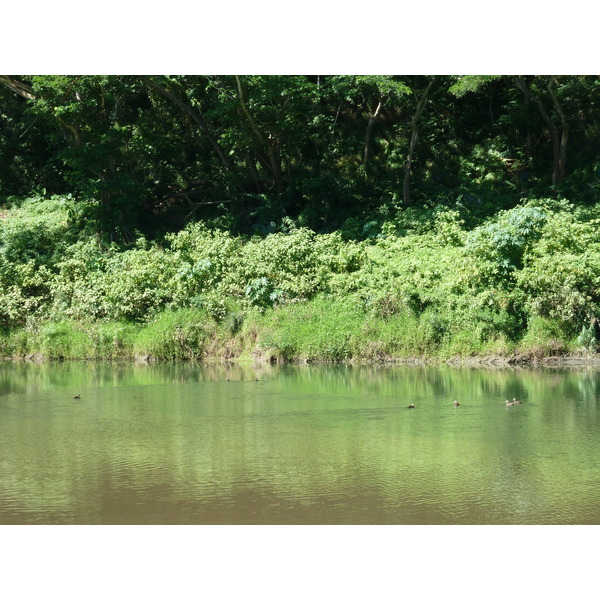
{"x":203,"y":258}
{"x":561,"y":275}
{"x":39,"y":231}
{"x":500,"y":244}
{"x":527,"y":278}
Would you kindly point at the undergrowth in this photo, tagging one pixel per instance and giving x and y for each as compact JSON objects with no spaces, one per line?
{"x":526,"y":280}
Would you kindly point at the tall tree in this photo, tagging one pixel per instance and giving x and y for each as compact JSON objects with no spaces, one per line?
{"x":421,"y":99}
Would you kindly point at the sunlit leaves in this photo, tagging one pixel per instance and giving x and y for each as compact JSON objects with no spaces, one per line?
{"x":471,"y":83}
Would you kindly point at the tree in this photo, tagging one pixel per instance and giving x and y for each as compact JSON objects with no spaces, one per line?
{"x":384,"y":90}
{"x":163,"y":89}
{"x":551,"y":110}
{"x":421,"y":101}
{"x":545,"y":93}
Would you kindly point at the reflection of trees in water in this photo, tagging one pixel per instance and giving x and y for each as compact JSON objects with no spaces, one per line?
{"x":24,"y":377}
{"x":588,"y":386}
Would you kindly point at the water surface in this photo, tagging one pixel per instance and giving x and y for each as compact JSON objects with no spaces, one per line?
{"x":183,"y":444}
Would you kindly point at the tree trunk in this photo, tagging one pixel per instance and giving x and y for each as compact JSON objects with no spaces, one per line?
{"x":271,"y":147}
{"x":413,"y":142}
{"x":560,"y":160}
{"x":408,"y":166}
{"x":370,"y":124}
{"x":275,"y":159}
{"x":252,"y":168}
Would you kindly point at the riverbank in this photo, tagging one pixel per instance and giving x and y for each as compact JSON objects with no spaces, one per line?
{"x":91,"y":342}
{"x":319,"y":331}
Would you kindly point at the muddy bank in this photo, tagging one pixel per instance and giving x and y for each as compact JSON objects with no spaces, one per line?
{"x":495,"y":361}
{"x":524,"y":360}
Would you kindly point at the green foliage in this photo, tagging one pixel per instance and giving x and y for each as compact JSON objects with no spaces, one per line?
{"x":545,"y":337}
{"x":587,"y":339}
{"x":111,"y":340}
{"x":63,"y":340}
{"x":561,"y":275}
{"x":319,"y":330}
{"x":149,"y":154}
{"x":203,"y":257}
{"x":527,"y":278}
{"x":500,"y":245}
{"x":279,"y":268}
{"x":36,"y":230}
{"x":471,"y":83}
{"x":136,"y":284}
{"x":271,"y":210}
{"x":175,"y":335}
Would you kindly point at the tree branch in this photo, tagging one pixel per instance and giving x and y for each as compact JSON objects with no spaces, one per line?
{"x":196,"y":117}
{"x":274,"y":158}
{"x":17,"y":86}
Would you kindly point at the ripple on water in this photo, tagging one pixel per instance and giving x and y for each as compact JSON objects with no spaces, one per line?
{"x":200,"y":453}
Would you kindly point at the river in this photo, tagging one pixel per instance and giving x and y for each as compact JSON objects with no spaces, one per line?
{"x":187,"y":444}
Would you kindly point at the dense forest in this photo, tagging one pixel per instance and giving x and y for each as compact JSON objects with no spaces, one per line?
{"x":299,"y":217}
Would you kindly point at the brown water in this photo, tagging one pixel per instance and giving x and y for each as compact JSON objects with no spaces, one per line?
{"x":180,"y":444}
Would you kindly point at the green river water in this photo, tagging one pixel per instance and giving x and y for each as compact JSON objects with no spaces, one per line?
{"x":184,"y":444}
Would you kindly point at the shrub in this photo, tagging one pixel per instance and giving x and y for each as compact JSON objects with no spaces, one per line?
{"x":587,"y":339}
{"x":545,"y":337}
{"x":203,"y":257}
{"x":561,"y":276}
{"x":434,"y":289}
{"x":502,"y":243}
{"x":37,"y":231}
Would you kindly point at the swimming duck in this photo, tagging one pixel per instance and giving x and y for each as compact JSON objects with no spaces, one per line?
{"x":77,"y":397}
{"x":456,"y":403}
{"x":410,"y":406}
{"x":507,"y":403}
{"x":515,"y":401}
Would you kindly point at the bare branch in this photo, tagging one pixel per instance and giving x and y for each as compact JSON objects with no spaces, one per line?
{"x":17,"y":86}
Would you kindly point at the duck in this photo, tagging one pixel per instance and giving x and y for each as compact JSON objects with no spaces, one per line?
{"x":456,"y":403}
{"x":77,"y":397}
{"x":507,"y":403}
{"x":410,"y":406}
{"x":515,"y":401}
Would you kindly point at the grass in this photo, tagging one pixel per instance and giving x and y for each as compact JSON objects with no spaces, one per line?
{"x":320,"y":330}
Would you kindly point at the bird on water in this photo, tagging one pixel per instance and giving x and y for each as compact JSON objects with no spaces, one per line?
{"x":410,"y":406}
{"x":456,"y":403}
{"x":514,"y":402}
{"x":77,"y":397}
